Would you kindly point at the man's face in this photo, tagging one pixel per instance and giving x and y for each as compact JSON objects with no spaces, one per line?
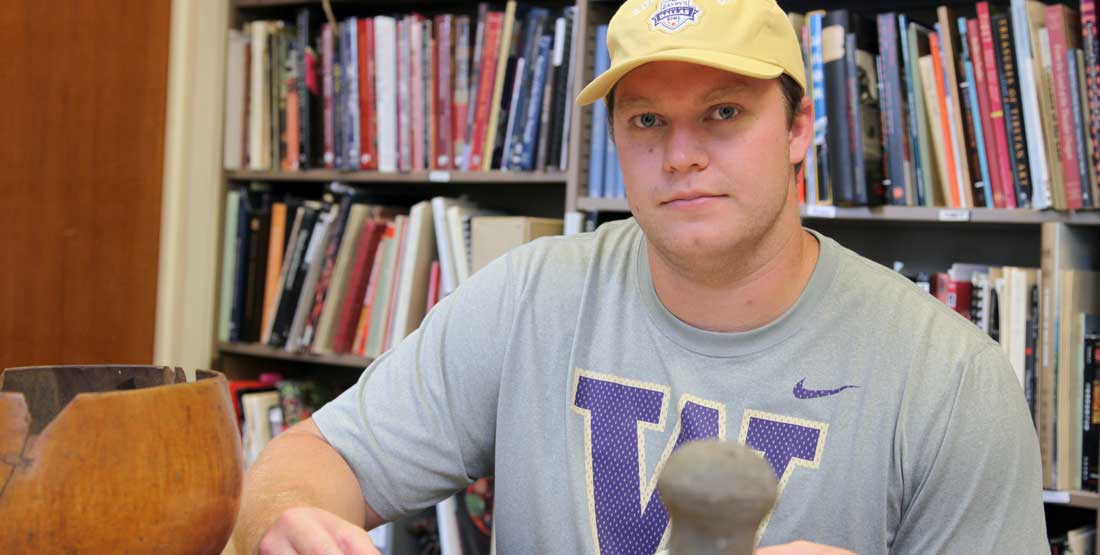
{"x":706,"y":156}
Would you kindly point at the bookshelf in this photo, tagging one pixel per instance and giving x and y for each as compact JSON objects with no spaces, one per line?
{"x":917,"y":233}
{"x":399,"y":178}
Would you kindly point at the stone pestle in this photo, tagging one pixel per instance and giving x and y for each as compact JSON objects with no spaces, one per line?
{"x":717,"y":493}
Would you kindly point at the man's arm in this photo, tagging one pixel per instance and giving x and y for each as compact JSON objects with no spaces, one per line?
{"x":298,"y":469}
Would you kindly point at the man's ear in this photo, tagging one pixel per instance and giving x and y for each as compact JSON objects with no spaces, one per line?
{"x":801,"y":135}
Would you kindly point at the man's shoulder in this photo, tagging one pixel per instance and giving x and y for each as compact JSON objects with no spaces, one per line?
{"x":572,"y":253}
{"x":894,"y":300}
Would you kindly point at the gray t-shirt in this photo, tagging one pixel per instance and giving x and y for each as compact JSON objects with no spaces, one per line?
{"x":892,"y":423}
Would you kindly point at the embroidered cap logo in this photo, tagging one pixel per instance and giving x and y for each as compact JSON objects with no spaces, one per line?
{"x":672,"y":15}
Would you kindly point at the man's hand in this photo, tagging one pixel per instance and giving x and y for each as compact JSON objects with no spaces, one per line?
{"x":802,"y":548}
{"x":309,"y":531}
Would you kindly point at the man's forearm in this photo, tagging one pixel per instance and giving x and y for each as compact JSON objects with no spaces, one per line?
{"x":298,"y":469}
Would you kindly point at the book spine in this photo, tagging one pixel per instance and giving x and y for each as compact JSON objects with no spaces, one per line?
{"x":598,"y":139}
{"x":1029,"y":100}
{"x":339,"y":96}
{"x":404,"y":94}
{"x":386,"y":91}
{"x":1013,"y":114}
{"x":240,"y":280}
{"x":486,"y":79}
{"x":839,"y":132}
{"x":328,"y":264}
{"x":570,"y":57}
{"x":462,"y":160}
{"x":368,"y":151}
{"x":1056,"y":27}
{"x":1004,"y":195}
{"x":951,"y":186}
{"x":915,"y":113}
{"x":444,"y":85}
{"x":329,"y":124}
{"x":306,"y":79}
{"x":1090,"y":405}
{"x":975,"y":144}
{"x":893,"y":127}
{"x":351,"y":101}
{"x":534,"y":106}
{"x":976,"y":131}
{"x":980,"y":102}
{"x":862,"y":166}
{"x":1090,"y":43}
{"x":460,"y":93}
{"x":1080,"y":156}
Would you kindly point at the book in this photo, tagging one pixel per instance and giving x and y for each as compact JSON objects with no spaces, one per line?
{"x":415,"y":273}
{"x":493,"y":236}
{"x":229,"y":262}
{"x":336,"y":299}
{"x":361,"y":268}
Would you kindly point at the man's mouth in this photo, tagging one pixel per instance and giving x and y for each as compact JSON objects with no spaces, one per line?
{"x":691,"y":200}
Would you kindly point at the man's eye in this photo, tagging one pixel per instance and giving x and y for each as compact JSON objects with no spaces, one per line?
{"x":646,"y":121}
{"x":724,"y":112}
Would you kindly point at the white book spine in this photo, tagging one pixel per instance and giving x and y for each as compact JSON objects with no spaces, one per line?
{"x":257,"y":108}
{"x":386,"y":95}
{"x":1033,"y":127}
{"x":234,"y":101}
{"x":404,"y":107}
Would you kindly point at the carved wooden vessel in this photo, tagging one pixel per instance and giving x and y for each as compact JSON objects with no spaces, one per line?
{"x":116,"y":459}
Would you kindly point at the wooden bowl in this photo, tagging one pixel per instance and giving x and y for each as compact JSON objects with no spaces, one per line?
{"x":116,"y":459}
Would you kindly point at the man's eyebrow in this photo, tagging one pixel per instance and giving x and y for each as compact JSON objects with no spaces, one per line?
{"x":628,"y":101}
{"x":724,"y":91}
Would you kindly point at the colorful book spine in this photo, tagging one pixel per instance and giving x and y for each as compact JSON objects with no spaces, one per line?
{"x":1067,"y":137}
{"x":821,"y":117}
{"x":1004,"y":195}
{"x":974,"y":110}
{"x":1013,"y":113}
{"x":1090,"y":43}
{"x":944,"y":127}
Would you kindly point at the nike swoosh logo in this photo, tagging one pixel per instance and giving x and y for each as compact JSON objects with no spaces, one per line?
{"x":803,"y":393}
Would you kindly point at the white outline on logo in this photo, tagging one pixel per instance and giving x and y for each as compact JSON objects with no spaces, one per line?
{"x":673,"y":15}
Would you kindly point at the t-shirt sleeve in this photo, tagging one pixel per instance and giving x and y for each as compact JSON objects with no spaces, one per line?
{"x":420,"y":422}
{"x":970,"y":466}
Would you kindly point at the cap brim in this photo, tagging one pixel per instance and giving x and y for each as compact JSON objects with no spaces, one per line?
{"x":749,"y":67}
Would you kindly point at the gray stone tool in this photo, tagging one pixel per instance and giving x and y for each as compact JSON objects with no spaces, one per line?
{"x":717,"y":493}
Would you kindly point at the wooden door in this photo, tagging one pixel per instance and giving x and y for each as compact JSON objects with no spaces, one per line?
{"x":82,"y":115}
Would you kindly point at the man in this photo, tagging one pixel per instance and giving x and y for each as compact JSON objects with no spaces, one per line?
{"x":572,"y":367}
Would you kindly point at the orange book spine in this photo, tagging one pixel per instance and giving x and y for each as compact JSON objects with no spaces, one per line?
{"x":274,"y":262}
{"x":945,"y":121}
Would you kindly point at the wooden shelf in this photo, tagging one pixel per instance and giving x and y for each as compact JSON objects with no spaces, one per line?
{"x":547,"y":178}
{"x":948,"y":215}
{"x":900,"y":213}
{"x":1079,"y":499}
{"x":265,"y":351}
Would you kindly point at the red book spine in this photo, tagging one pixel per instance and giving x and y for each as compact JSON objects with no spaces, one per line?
{"x":368,"y":148}
{"x":362,"y":323}
{"x":326,"y":68}
{"x":954,"y":294}
{"x":983,"y":102}
{"x":1067,"y":128}
{"x":493,"y":25}
{"x":433,"y":285}
{"x":356,"y":286}
{"x":1000,"y":160}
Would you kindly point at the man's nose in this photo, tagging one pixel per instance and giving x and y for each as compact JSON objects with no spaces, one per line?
{"x":684,"y":150}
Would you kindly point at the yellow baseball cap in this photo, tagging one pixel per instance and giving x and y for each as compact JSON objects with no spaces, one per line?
{"x":748,"y":37}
